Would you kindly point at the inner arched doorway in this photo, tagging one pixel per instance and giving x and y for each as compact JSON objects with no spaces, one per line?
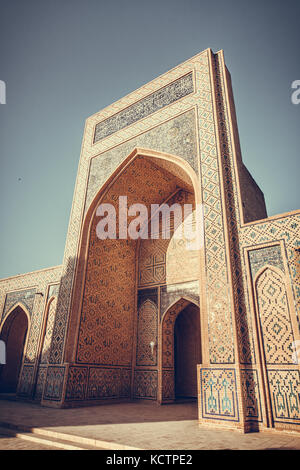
{"x":13,"y":333}
{"x":180,"y":351}
{"x":187,"y":352}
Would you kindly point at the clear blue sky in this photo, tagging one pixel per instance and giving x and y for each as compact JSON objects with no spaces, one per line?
{"x":63,"y":60}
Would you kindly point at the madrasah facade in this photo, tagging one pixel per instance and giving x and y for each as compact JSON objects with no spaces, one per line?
{"x":149,"y":318}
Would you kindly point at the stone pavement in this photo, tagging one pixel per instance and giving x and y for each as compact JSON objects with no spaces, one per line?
{"x":136,"y":425}
{"x":9,"y":442}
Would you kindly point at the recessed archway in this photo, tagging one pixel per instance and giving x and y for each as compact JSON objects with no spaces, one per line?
{"x":13,"y":333}
{"x":180,"y":350}
{"x":187,"y":352}
{"x":123,"y":284}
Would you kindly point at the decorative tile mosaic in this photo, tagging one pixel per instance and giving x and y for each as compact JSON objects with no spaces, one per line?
{"x":108,"y":383}
{"x":53,"y":291}
{"x":25,"y":384}
{"x":40,"y":382}
{"x":168,"y":385}
{"x":261,"y":257}
{"x":251,"y":393}
{"x":219,"y":397}
{"x":19,"y":286}
{"x":148,"y":105}
{"x":145,"y":384}
{"x":54,"y":383}
{"x":76,"y":383}
{"x":24,"y":296}
{"x":172,"y":292}
{"x":50,"y":309}
{"x":285,"y":395}
{"x":221,"y":347}
{"x":275,"y":320}
{"x":147,"y":333}
{"x":176,"y":136}
{"x":286,"y":228}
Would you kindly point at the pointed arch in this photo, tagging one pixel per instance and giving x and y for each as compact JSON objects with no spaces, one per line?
{"x":181,"y":303}
{"x":264,"y":268}
{"x":167,"y":329}
{"x":14,"y":332}
{"x":167,"y":346}
{"x":104,"y":304}
{"x":11,"y":310}
{"x":184,"y":166}
{"x":168,"y":162}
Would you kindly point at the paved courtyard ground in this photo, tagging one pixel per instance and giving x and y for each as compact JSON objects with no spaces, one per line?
{"x":128,"y":426}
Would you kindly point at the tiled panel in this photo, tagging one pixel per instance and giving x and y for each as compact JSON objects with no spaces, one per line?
{"x":219,"y":394}
{"x":24,"y":296}
{"x":143,"y":108}
{"x":145,"y":384}
{"x":261,"y":257}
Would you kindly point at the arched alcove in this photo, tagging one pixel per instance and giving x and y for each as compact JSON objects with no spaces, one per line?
{"x":187,"y":352}
{"x":180,"y":350}
{"x":108,"y":318}
{"x":13,"y":333}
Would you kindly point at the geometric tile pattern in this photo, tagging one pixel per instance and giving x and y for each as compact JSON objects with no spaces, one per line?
{"x":63,"y":302}
{"x":26,"y":381}
{"x":24,"y":296}
{"x":221,"y":347}
{"x":260,"y":257}
{"x":40,"y":382}
{"x":176,"y":136}
{"x":106,"y":322}
{"x":54,"y":383}
{"x":168,"y":385}
{"x":168,"y":261}
{"x":219,"y":395}
{"x":286,"y":228}
{"x":50,"y":309}
{"x":231,"y":201}
{"x":274,"y":318}
{"x":285,"y":395}
{"x":76,"y":383}
{"x":145,"y":384}
{"x":251,"y":393}
{"x":20,"y":288}
{"x":152,"y":267}
{"x":146,"y":333}
{"x":108,"y":383}
{"x":253,"y":235}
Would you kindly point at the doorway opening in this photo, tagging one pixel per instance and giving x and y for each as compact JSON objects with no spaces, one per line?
{"x":13,"y":334}
{"x":187,"y":352}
